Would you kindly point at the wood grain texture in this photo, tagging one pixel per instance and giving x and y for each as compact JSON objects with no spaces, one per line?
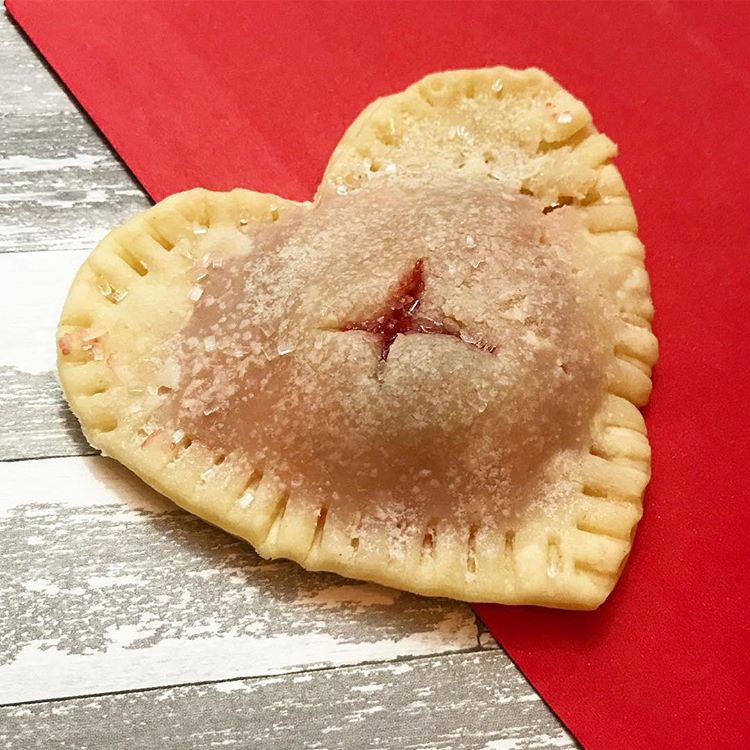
{"x":109,"y":586}
{"x":448,"y":702}
{"x":61,"y":187}
{"x":37,"y":422}
{"x":29,"y":88}
{"x":105,"y":586}
{"x":33,"y":287}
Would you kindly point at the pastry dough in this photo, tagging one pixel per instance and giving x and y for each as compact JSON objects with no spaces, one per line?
{"x":429,"y":377}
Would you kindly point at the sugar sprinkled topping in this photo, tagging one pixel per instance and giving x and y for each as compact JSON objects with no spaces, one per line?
{"x":177,"y":436}
{"x":282,"y":358}
{"x":183,"y":248}
{"x":458,"y":131}
{"x":92,"y":334}
{"x":247,"y":499}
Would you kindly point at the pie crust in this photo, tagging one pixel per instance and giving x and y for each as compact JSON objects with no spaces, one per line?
{"x":429,"y":377}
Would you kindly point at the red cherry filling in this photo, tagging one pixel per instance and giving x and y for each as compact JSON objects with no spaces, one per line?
{"x":400,"y":316}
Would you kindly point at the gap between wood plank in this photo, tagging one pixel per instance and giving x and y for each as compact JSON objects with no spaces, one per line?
{"x":250,"y":678}
{"x":447,"y":702}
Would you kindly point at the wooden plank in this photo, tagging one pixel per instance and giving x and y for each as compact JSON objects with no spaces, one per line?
{"x":36,"y":421}
{"x":33,"y":287}
{"x":108,"y":586}
{"x":61,"y":188}
{"x":451,"y":702}
{"x":28,"y":85}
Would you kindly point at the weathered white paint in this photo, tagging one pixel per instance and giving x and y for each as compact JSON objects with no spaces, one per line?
{"x":46,"y":199}
{"x":363,"y":595}
{"x":28,"y":88}
{"x":519,"y":743}
{"x":22,"y":163}
{"x":82,"y":481}
{"x":175,"y":636}
{"x":33,"y":287}
{"x":472,"y":705}
{"x":81,"y":239}
{"x":41,"y":672}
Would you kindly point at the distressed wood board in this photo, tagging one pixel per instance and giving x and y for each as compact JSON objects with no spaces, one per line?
{"x":124,"y":621}
{"x":451,"y":702}
{"x":153,"y":596}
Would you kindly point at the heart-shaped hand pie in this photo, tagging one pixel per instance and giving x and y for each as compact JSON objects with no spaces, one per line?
{"x":428,"y":377}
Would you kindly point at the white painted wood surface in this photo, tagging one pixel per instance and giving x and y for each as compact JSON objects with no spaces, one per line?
{"x":152,"y":596}
{"x":125,"y":622}
{"x":446,"y":702}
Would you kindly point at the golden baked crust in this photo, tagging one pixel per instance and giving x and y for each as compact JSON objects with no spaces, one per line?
{"x":495,"y":138}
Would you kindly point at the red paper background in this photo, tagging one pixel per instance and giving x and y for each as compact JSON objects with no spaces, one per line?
{"x":256,"y":94}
